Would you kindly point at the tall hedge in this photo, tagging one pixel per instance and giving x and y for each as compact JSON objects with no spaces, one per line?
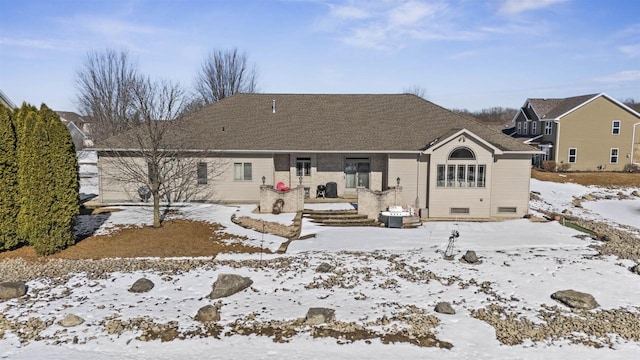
{"x":47,"y":180}
{"x":33,"y":191}
{"x":8,"y":181}
{"x":63,"y":182}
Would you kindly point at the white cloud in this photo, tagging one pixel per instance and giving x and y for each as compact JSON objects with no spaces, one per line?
{"x":630,"y":50}
{"x":29,"y":43}
{"x":518,"y":6}
{"x":385,"y":25}
{"x":112,"y":27}
{"x":348,"y":12}
{"x":622,"y":76}
{"x":411,"y":13}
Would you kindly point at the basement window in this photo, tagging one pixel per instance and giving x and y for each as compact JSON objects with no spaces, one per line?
{"x":458,"y":211}
{"x":507,"y":209}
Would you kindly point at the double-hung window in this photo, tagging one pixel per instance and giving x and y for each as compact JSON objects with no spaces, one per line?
{"x":525,"y":128}
{"x":519,"y":131}
{"x":534,"y":127}
{"x":614,"y":155}
{"x":242,"y":171}
{"x":303,"y":167}
{"x":548,"y":127}
{"x":202,"y":173}
{"x":573,"y":155}
{"x":615,"y":127}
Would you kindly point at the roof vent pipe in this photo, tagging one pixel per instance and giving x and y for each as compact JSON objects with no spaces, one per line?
{"x":273,"y":106}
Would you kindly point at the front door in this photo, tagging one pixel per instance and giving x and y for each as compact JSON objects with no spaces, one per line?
{"x":356,"y":173}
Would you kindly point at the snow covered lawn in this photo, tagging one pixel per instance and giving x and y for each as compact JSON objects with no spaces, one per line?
{"x":386,"y":281}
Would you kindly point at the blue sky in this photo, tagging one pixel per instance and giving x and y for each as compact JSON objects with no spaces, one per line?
{"x":465,"y":54}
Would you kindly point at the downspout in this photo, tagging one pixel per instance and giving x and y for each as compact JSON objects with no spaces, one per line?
{"x":557,"y":143}
{"x":633,"y":139}
{"x":418,"y":183}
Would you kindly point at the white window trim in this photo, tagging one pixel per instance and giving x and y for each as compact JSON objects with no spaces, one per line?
{"x":525,"y":128}
{"x":243,"y":165}
{"x":519,"y":131}
{"x":575,"y":156}
{"x":548,"y":128}
{"x":614,"y":127}
{"x":617,"y":155}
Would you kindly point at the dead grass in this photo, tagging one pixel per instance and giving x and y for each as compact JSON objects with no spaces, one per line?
{"x":604,"y":179}
{"x":176,"y":238}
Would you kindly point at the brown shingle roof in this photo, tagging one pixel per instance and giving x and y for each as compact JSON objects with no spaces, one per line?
{"x":373,"y":123}
{"x":553,"y":108}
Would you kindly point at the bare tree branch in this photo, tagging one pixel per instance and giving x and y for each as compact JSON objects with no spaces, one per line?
{"x":223,"y":74}
{"x":416,"y":90}
{"x":153,"y":153}
{"x":104,"y":86}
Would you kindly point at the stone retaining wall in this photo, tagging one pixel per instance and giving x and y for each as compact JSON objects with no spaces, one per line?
{"x":293,"y":199}
{"x":371,"y":203}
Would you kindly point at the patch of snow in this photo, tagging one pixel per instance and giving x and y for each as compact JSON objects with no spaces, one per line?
{"x":524,"y":262}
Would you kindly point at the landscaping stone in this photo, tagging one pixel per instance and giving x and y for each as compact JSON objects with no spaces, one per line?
{"x":229,"y":284}
{"x":316,"y":316}
{"x":636,"y":193}
{"x":208,"y":313}
{"x":324,"y":268}
{"x":635,"y":269}
{"x":575,"y":299}
{"x":444,"y":308}
{"x":142,"y":285}
{"x":71,"y":320}
{"x":12,"y":289}
{"x":588,"y":197}
{"x":470,"y":257}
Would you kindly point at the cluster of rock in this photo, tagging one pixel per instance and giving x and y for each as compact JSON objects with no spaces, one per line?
{"x":591,"y":328}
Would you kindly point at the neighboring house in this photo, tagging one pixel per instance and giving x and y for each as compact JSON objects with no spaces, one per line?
{"x":447,"y":165}
{"x":4,"y":100}
{"x":582,"y":133}
{"x":78,"y":127}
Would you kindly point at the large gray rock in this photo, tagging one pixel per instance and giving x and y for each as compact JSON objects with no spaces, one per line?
{"x":470,"y":257}
{"x":324,"y":268}
{"x":317,"y":316}
{"x":208,"y":313}
{"x":141,"y":285}
{"x":575,"y":299}
{"x":12,"y":289}
{"x":635,"y":269}
{"x":229,"y":284}
{"x":444,"y":308}
{"x":71,"y":320}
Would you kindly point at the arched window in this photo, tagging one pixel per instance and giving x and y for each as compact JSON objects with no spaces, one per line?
{"x":462,"y":153}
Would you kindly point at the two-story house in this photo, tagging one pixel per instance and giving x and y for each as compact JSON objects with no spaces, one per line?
{"x":581,"y":133}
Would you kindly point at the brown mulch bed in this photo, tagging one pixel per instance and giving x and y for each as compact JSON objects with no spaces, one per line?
{"x":604,"y":179}
{"x":176,"y":238}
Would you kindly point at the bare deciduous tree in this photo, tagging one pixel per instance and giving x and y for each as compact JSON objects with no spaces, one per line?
{"x":104,"y":86}
{"x":416,"y":90}
{"x":223,"y":74}
{"x":153,"y":153}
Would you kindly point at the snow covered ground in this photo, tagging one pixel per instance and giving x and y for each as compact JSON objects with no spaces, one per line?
{"x":379,"y":273}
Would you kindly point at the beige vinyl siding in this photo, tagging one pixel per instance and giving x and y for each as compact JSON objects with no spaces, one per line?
{"x":221,"y":188}
{"x":510,"y":183}
{"x":111,"y":185}
{"x":588,"y":129}
{"x":414,"y":186}
{"x":442,"y":199}
{"x":229,"y":190}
